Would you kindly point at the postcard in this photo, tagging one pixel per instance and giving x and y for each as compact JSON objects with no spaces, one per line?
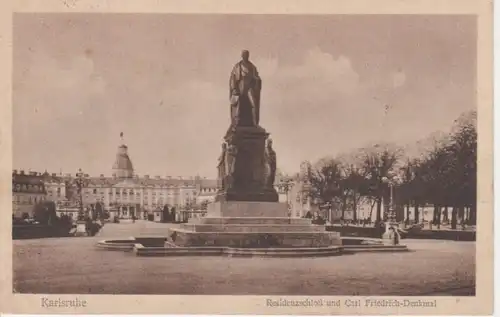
{"x":231,"y":157}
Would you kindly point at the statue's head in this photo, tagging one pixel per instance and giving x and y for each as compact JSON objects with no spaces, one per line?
{"x":245,"y":55}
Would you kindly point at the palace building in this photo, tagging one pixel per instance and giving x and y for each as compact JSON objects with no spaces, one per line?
{"x":125,"y":194}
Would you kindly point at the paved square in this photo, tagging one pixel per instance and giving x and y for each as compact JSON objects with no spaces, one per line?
{"x":74,"y":265}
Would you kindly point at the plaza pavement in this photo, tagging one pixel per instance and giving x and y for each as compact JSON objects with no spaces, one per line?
{"x":74,"y":265}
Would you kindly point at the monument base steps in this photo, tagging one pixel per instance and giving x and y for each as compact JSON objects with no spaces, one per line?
{"x":251,"y":225}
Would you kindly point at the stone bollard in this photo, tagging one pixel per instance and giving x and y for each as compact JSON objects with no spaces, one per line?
{"x":81,"y":229}
{"x":391,"y":235}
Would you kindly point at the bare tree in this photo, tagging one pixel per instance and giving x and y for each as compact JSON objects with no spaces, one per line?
{"x":325,"y":180}
{"x":378,"y":162}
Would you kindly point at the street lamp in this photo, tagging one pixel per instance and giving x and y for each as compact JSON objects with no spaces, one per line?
{"x":287,"y":185}
{"x":392,"y":180}
{"x":328,"y":206}
{"x":80,"y":183}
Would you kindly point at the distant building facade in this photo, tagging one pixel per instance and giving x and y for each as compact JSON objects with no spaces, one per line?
{"x":125,"y":194}
{"x":28,"y":189}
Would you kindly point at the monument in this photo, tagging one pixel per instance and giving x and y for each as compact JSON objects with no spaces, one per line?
{"x":247,"y":164}
{"x":246,"y":211}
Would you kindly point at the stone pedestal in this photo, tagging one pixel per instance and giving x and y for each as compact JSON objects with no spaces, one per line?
{"x":248,"y":181}
{"x":254,"y":225}
{"x":388,"y":236}
{"x":254,"y":209}
{"x":246,"y":212}
{"x":81,"y":228}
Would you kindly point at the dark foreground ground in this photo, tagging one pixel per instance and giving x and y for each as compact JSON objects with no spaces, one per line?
{"x":74,"y":265}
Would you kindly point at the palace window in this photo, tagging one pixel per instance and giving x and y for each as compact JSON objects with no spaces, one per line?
{"x":95,"y":191}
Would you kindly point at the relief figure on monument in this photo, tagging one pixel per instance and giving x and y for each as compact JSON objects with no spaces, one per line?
{"x":221,"y":167}
{"x":270,"y":158}
{"x":230,"y":160}
{"x":244,"y":92}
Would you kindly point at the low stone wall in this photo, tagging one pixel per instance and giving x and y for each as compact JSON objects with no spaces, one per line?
{"x":154,"y":248}
{"x":237,"y":252}
{"x":350,"y":231}
{"x":455,"y":235}
{"x":373,"y":232}
{"x":37,"y":232}
{"x":151,"y":241}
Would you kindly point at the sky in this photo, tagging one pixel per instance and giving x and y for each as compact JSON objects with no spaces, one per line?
{"x":331,"y":84}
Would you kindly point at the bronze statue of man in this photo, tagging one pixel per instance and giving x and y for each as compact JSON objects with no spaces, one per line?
{"x":244,"y":92}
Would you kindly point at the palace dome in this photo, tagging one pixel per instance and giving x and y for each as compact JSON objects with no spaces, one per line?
{"x":123,"y":168}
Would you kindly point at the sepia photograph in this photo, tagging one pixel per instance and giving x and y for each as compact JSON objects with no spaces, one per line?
{"x":245,"y":154}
